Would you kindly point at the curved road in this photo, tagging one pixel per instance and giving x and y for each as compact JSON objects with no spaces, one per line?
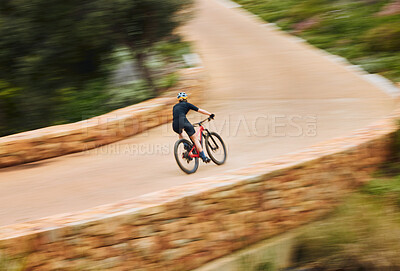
{"x":271,"y":95}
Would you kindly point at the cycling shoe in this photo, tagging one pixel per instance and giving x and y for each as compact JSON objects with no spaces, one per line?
{"x":205,"y":159}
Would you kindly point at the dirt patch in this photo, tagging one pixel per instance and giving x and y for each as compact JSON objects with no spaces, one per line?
{"x":390,"y":9}
{"x":306,"y":24}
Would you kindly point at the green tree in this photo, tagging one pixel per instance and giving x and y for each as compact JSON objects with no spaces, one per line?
{"x":47,"y":46}
{"x":53,"y":52}
{"x":140,"y":24}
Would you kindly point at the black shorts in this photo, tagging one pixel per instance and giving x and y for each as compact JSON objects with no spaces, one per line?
{"x":183,"y":124}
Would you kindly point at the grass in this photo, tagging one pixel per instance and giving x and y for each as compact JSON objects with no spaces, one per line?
{"x":7,"y":264}
{"x":351,"y":29}
{"x":364,"y":232}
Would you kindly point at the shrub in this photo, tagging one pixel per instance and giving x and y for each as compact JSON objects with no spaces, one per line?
{"x":363,"y":234}
{"x":173,"y":49}
{"x":308,"y":9}
{"x":264,"y":267}
{"x":168,"y":81}
{"x":128,"y":94}
{"x":385,"y":37}
{"x":396,"y":145}
{"x":379,"y":187}
{"x":10,"y":264}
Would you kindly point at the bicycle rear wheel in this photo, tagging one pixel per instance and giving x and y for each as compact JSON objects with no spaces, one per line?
{"x":188,"y":164}
{"x":216,"y":148}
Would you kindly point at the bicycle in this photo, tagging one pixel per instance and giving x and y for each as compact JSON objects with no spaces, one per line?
{"x":187,"y":156}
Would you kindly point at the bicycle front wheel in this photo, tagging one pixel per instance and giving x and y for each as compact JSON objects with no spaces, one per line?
{"x":216,"y":148}
{"x":182,"y":149}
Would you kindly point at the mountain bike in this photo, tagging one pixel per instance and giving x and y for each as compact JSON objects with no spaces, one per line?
{"x":187,"y":156}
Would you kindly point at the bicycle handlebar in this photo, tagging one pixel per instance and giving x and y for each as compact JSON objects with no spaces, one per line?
{"x":201,"y":122}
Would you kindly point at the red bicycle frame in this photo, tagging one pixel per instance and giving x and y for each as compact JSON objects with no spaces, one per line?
{"x":200,"y":133}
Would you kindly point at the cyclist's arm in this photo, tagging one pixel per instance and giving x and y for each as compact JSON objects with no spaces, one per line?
{"x":202,"y":111}
{"x":205,"y":112}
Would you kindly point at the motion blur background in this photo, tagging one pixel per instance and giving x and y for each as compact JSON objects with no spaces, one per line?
{"x":64,"y":61}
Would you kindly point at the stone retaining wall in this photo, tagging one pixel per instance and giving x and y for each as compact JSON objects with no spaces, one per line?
{"x":184,"y":227}
{"x":88,"y":134}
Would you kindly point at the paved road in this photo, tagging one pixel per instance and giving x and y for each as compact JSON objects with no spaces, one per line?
{"x":271,"y":96}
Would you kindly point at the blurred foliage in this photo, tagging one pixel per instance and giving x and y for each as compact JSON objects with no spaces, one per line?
{"x":56,"y":57}
{"x":384,"y":37}
{"x":396,"y":145}
{"x":168,"y":81}
{"x":139,"y":25}
{"x":129,"y":94}
{"x":391,"y":167}
{"x":383,"y":186}
{"x":172,"y":49}
{"x":12,"y":264}
{"x":303,"y":10}
{"x":349,"y":28}
{"x":362,"y":234}
{"x":265,"y":267}
{"x":249,"y":262}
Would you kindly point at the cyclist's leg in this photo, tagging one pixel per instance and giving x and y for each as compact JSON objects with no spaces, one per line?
{"x":177,"y":129}
{"x":191,"y":132}
{"x":196,"y":140}
{"x":202,"y":155}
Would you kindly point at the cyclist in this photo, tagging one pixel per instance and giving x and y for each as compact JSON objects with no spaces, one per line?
{"x":180,"y":122}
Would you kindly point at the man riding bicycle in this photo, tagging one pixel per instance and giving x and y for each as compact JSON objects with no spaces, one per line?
{"x":180,"y":122}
